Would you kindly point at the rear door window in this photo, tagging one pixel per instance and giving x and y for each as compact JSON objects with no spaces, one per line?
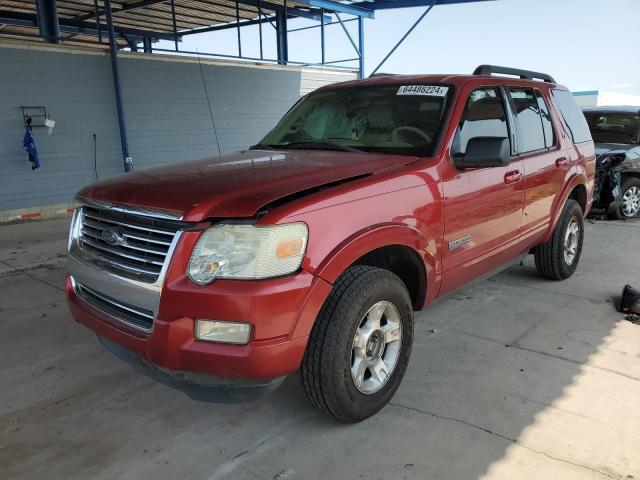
{"x":573,"y":116}
{"x":484,"y":116}
{"x":547,"y":124}
{"x":531,"y":136}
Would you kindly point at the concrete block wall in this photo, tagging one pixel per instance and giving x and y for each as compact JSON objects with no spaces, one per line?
{"x":168,"y":111}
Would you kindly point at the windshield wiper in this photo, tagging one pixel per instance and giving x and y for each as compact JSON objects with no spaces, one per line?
{"x":263,"y":146}
{"x":316,"y":145}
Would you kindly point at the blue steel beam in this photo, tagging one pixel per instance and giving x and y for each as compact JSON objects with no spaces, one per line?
{"x":260,"y":27}
{"x":361,"y":47}
{"x":417,"y":22}
{"x":281,"y":35}
{"x":238,"y":28}
{"x":48,"y":23}
{"x":174,"y":23}
{"x":147,"y":46}
{"x":346,"y":31}
{"x":226,"y":26}
{"x":311,"y":14}
{"x":309,"y":27}
{"x":128,"y":163}
{"x":391,"y":4}
{"x":321,"y":37}
{"x":124,"y":8}
{"x":98,"y":26}
{"x":363,"y":10}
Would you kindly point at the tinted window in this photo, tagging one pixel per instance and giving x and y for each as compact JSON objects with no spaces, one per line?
{"x":614,"y":127}
{"x":573,"y":116}
{"x":547,"y":125}
{"x":483,"y":116}
{"x":530,"y":132}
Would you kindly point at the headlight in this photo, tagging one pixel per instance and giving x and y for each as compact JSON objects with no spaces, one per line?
{"x":247,"y":252}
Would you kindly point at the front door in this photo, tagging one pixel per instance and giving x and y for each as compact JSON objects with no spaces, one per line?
{"x":482,"y":207}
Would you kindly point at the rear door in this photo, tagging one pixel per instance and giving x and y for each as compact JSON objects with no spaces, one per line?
{"x":579,"y":145}
{"x":483,"y":206}
{"x":545,"y":163}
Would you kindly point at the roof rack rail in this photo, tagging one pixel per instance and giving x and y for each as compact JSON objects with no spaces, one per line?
{"x":382,"y":74}
{"x":523,"y":74}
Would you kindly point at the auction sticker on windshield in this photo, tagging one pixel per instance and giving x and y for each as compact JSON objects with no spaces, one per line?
{"x":428,"y":90}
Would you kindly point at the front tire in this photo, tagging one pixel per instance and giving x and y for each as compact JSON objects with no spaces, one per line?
{"x":558,"y":258}
{"x":630,"y":198}
{"x":360,"y":345}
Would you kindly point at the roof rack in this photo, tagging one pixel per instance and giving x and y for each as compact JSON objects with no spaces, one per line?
{"x":523,"y":74}
{"x":382,"y":74}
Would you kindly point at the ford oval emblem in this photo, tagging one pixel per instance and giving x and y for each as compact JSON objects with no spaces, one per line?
{"x":113,"y":237}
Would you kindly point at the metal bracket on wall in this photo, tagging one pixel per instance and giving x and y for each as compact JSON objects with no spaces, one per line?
{"x":34,"y":116}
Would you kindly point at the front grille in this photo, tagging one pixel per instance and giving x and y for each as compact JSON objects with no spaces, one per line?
{"x":135,"y":316}
{"x":127,"y":243}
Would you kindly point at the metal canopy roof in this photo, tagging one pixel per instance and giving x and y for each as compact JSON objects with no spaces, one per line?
{"x":84,"y":22}
{"x":139,"y":18}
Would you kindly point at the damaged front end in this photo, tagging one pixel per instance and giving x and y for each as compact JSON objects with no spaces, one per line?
{"x":607,"y":191}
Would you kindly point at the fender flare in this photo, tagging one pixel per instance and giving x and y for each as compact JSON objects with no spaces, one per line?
{"x":578,"y":178}
{"x":379,"y":236}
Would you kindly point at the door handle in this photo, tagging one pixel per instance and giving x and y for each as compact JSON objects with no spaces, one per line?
{"x":512,"y":177}
{"x":562,"y":162}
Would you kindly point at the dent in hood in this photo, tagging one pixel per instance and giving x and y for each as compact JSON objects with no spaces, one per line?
{"x":236,"y":185}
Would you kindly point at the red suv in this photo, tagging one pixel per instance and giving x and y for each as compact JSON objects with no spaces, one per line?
{"x":312,"y":250}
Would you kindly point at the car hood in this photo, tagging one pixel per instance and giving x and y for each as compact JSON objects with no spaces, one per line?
{"x":236,"y":185}
{"x":611,"y":148}
{"x":605,"y":150}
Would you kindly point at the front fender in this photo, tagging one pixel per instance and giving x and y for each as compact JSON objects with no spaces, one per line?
{"x":361,"y":243}
{"x":353,"y":248}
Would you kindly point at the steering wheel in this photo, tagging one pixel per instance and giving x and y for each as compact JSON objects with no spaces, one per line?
{"x":409,"y":128}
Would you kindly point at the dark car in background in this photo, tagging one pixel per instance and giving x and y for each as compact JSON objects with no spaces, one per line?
{"x":616,"y":133}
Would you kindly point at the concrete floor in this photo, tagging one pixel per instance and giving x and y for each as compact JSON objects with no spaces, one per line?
{"x":513,"y":378}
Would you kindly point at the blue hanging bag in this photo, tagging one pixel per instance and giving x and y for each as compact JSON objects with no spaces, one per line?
{"x":30,"y":146}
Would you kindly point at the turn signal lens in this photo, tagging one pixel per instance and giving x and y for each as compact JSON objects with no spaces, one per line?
{"x":290,"y":248}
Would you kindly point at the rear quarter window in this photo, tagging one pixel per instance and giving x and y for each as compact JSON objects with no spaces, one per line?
{"x":573,"y":116}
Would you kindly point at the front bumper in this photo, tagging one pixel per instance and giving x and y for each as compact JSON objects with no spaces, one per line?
{"x":281,"y":311}
{"x":197,"y":386}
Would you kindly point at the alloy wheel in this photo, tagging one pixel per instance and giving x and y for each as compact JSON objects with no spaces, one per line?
{"x":571,"y":241}
{"x":376,"y":347}
{"x":631,"y":202}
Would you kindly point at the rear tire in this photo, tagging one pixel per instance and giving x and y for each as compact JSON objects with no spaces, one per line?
{"x":360,"y":345}
{"x":558,"y":258}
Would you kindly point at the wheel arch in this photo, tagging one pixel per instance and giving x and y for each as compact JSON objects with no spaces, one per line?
{"x":575,"y":189}
{"x":579,"y":194}
{"x":398,"y":248}
{"x":406,"y":263}
{"x":630,"y":173}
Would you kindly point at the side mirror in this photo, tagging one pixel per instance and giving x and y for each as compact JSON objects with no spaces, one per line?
{"x":484,"y":152}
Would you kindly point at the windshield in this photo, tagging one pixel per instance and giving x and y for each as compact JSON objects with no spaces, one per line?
{"x":614,"y":127}
{"x":400,"y":120}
